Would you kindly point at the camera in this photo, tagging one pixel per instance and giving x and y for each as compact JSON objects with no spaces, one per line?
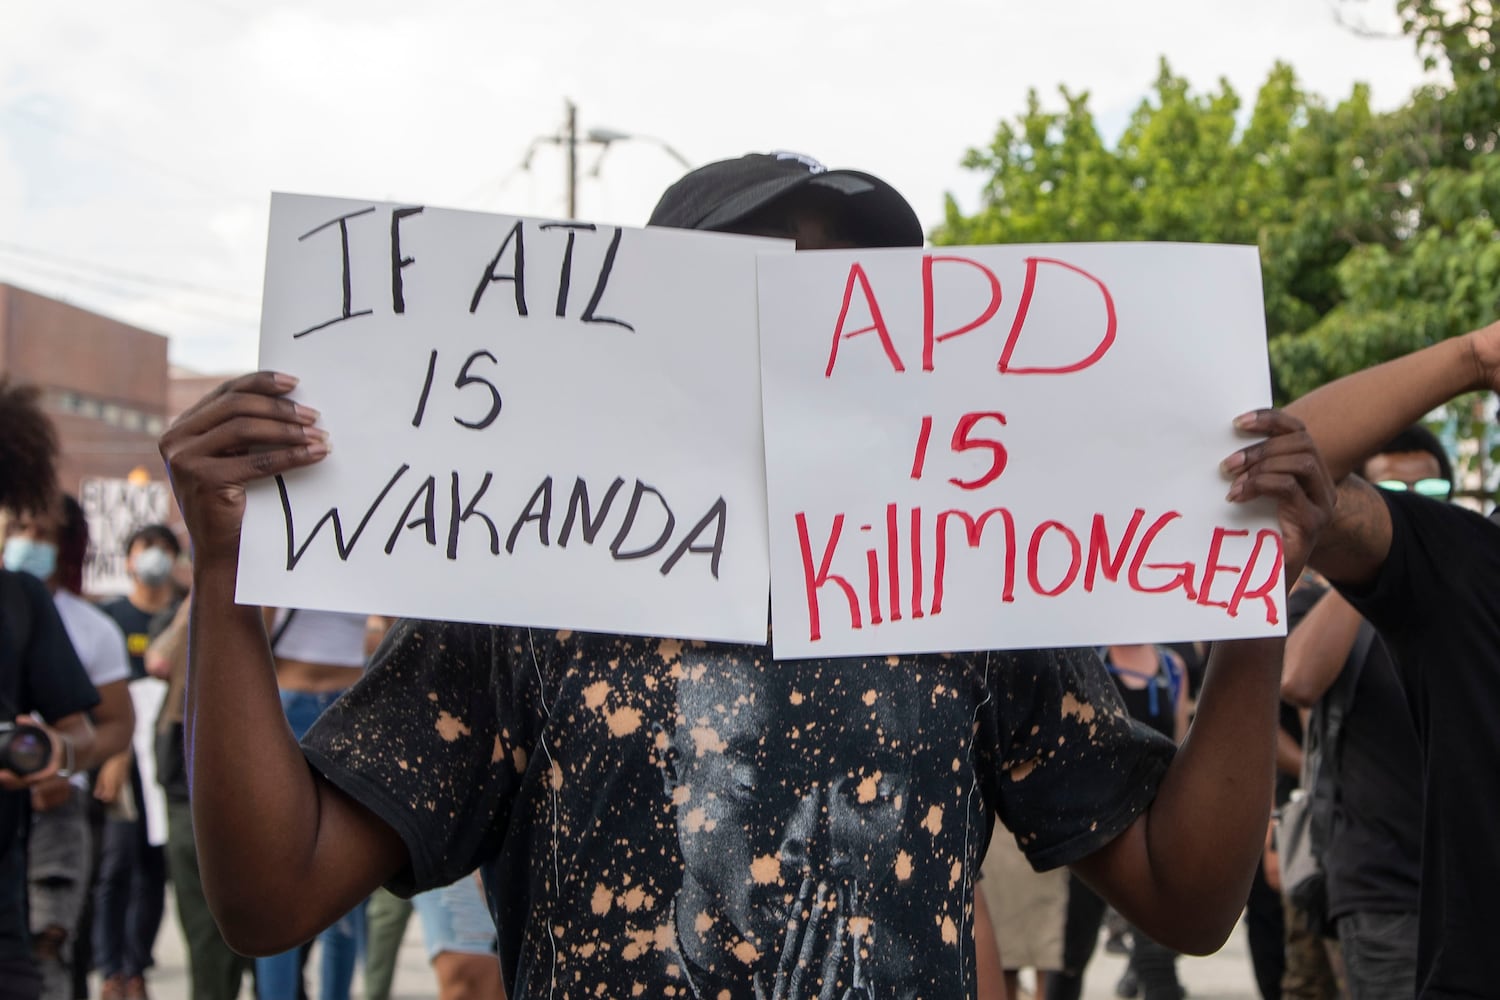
{"x":24,"y":749}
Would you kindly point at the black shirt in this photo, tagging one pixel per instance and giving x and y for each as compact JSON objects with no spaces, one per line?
{"x":1435,"y":603}
{"x":1373,"y":857}
{"x":652,"y":815}
{"x":136,"y":624}
{"x":40,"y":673}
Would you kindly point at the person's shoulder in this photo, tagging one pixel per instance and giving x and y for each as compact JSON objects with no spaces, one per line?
{"x":84,"y":610}
{"x":115,"y":606}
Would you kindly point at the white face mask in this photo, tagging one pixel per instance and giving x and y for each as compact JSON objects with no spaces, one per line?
{"x":26,"y":555}
{"x":153,"y":566}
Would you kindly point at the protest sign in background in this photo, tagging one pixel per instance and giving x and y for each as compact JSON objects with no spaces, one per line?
{"x":532,"y":422}
{"x":115,"y":509}
{"x":1000,"y":447}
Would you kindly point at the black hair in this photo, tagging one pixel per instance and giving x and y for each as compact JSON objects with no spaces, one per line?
{"x":72,"y":544}
{"x":1418,"y":438}
{"x":28,"y":451}
{"x":154,"y":533}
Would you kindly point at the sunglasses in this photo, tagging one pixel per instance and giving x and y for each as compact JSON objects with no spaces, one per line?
{"x":1425,"y":487}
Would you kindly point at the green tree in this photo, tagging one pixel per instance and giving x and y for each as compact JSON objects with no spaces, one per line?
{"x":1377,"y":231}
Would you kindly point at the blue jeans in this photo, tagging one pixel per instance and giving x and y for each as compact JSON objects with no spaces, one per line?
{"x":277,"y":977}
{"x":129,"y":893}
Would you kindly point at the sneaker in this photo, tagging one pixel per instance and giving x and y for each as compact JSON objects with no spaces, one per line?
{"x":113,"y":988}
{"x":1129,"y":985}
{"x":135,"y":988}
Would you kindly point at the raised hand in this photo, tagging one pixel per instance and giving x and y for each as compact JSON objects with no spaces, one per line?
{"x":244,"y":430}
{"x":1286,"y":467}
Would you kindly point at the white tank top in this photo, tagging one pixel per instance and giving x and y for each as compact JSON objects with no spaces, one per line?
{"x":331,"y":638}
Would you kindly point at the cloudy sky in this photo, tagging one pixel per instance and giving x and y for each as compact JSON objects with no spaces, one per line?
{"x":139,"y":139}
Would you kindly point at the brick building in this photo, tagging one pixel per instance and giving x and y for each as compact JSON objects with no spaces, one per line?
{"x":104,"y":383}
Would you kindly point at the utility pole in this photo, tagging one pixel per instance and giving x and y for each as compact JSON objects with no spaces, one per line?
{"x":601,"y":137}
{"x":571,"y":138}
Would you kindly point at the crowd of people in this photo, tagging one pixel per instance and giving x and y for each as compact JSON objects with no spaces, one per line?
{"x":760,"y":828}
{"x":94,"y":826}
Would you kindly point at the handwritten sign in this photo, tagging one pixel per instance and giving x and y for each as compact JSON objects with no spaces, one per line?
{"x":532,"y":422}
{"x":1005,"y":447}
{"x":115,"y":509}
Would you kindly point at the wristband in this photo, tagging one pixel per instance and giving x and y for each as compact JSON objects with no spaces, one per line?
{"x":69,"y":763}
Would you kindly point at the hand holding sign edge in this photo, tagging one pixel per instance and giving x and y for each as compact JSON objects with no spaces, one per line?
{"x":245,"y":429}
{"x":1286,"y":467}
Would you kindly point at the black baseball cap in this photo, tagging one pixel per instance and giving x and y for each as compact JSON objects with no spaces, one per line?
{"x":718,"y":195}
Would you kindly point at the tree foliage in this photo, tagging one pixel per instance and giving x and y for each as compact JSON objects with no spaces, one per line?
{"x":1377,"y":230}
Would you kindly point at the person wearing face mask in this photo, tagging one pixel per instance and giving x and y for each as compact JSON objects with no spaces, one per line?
{"x":42,"y":685}
{"x":131,"y":890}
{"x":50,"y":545}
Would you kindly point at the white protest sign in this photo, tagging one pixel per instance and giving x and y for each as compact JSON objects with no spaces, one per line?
{"x":115,"y":509}
{"x":532,"y":422}
{"x":1002,"y":447}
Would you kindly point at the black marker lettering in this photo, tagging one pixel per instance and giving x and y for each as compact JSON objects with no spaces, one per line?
{"x":599,"y":286}
{"x":426,"y":495}
{"x":398,"y":297}
{"x":566,"y":277}
{"x":344,"y":314}
{"x":294,"y":552}
{"x":616,"y":548}
{"x":464,"y":378}
{"x":455,"y":518}
{"x":591,"y":525}
{"x":543,"y":518}
{"x":717,"y":513}
{"x":517,"y":276}
{"x":416,"y":420}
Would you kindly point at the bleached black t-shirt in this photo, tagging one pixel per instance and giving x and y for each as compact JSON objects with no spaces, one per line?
{"x":664,"y":818}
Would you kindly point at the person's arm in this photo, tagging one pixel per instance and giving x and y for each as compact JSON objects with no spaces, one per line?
{"x":270,"y":830}
{"x":1288,"y":754}
{"x":1350,"y":417}
{"x":1317,"y":648}
{"x":1182,"y":870}
{"x":114,"y":719}
{"x":170,"y":645}
{"x":73,"y":749}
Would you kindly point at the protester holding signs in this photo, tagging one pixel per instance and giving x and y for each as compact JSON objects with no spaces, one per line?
{"x":1424,"y":573}
{"x":656,"y":816}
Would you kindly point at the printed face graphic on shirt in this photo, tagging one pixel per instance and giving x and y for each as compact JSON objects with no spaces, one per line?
{"x":790,"y":788}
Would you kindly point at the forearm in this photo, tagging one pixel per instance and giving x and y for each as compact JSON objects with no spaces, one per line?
{"x":257,"y":806}
{"x":1288,"y":754}
{"x":114,"y":720}
{"x":1317,"y":648}
{"x":1352,"y":416}
{"x":1183,"y":870}
{"x":82,"y":751}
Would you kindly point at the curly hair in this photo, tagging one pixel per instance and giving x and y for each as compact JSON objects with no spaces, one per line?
{"x":28,"y":450}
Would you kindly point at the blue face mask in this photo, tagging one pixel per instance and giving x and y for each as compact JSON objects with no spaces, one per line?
{"x":26,"y":555}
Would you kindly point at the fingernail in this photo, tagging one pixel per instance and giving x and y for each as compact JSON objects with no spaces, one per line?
{"x":306,"y":414}
{"x":1235,"y":489}
{"x":1246,"y":420}
{"x":284,"y":380}
{"x":319,"y":449}
{"x":1232,"y":462}
{"x":315,"y":434}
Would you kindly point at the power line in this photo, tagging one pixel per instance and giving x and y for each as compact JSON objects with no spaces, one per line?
{"x":128,"y":293}
{"x":52,"y":125}
{"x":151,"y":280}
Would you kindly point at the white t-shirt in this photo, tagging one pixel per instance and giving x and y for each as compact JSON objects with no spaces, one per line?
{"x":96,"y":639}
